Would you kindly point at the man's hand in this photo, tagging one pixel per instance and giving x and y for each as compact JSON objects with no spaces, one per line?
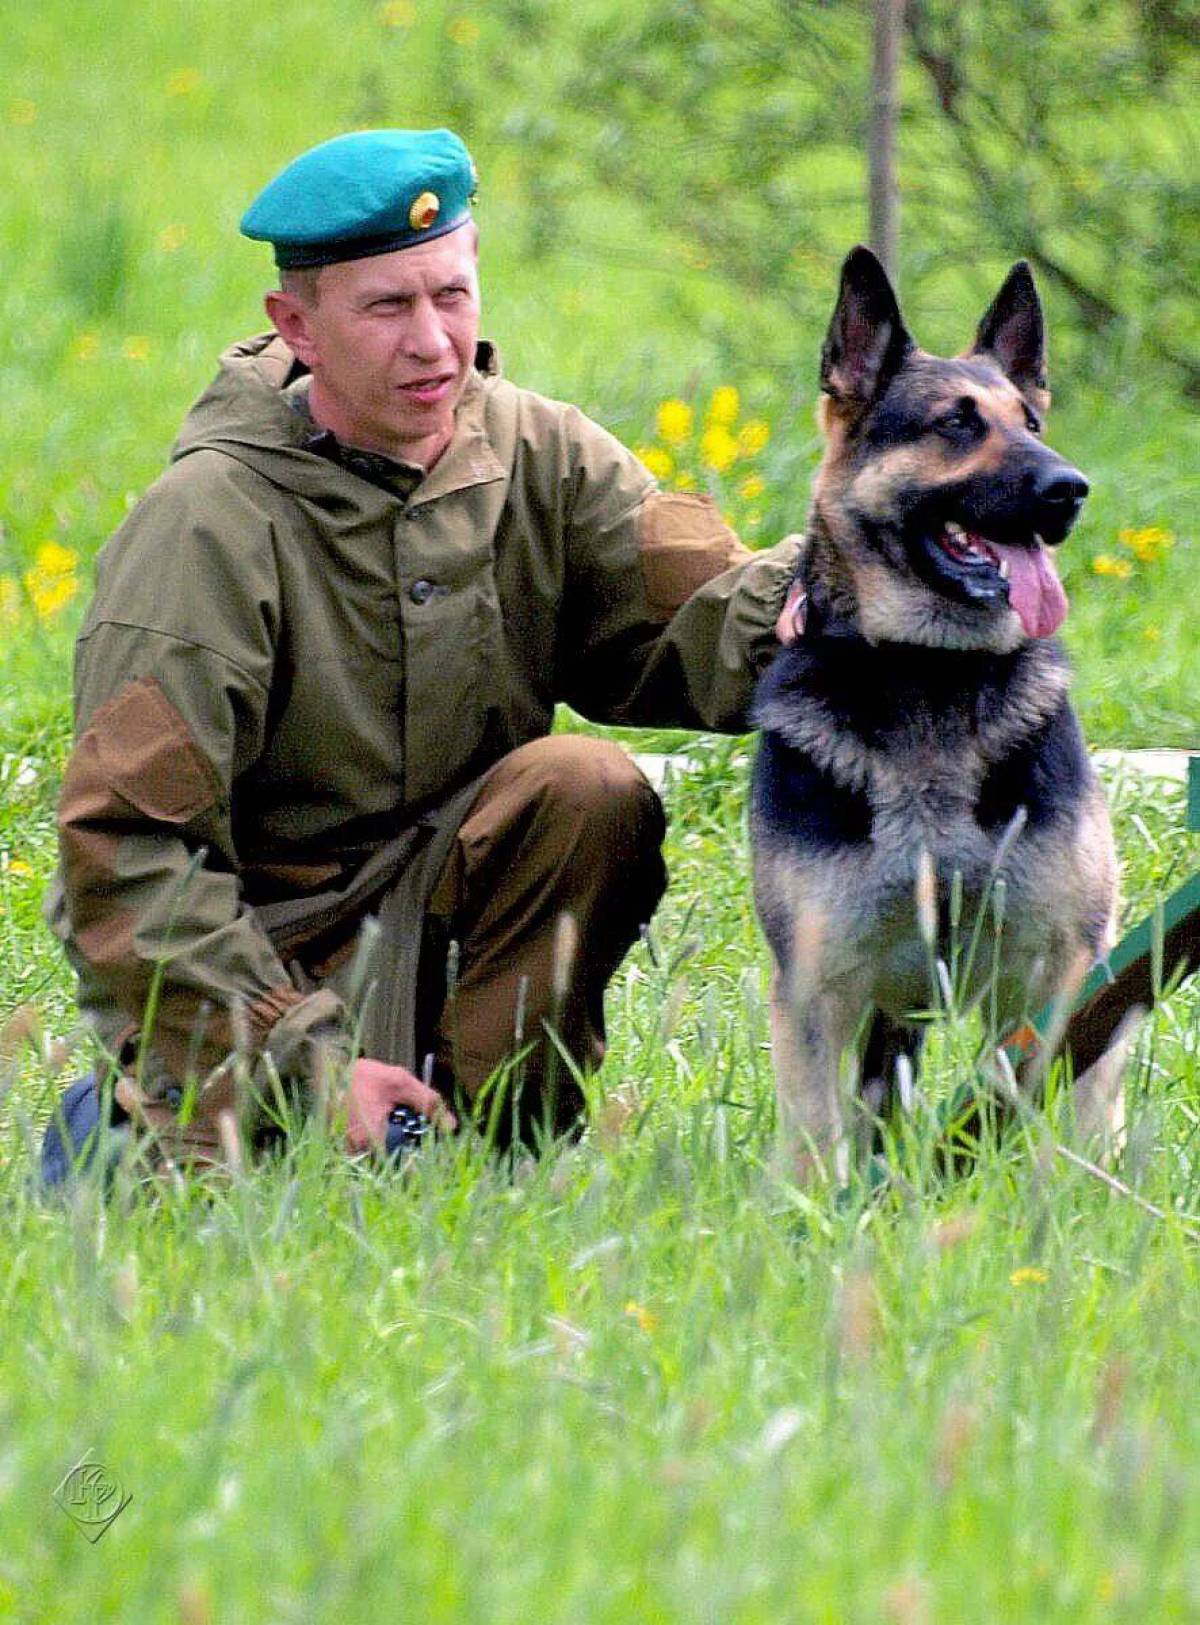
{"x":790,"y":624}
{"x":375,"y":1088}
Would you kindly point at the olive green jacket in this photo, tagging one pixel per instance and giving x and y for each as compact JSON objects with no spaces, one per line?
{"x":292,"y":673}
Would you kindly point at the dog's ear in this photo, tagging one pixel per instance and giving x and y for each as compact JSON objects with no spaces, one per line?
{"x":1013,"y":334}
{"x":867,"y":341}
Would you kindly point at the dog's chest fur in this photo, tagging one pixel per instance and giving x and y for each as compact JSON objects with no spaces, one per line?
{"x":871,"y":753}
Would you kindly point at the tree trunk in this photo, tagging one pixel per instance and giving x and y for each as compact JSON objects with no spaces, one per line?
{"x":884,"y":222}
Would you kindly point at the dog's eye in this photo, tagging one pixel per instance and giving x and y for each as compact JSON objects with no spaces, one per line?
{"x":1032,"y":422}
{"x":962,"y":419}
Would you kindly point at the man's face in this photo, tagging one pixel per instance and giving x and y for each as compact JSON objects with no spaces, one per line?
{"x":390,"y":342}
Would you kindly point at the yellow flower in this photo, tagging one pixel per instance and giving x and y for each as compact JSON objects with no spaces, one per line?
{"x":22,"y":111}
{"x":1104,"y":564}
{"x":1152,"y":634}
{"x":136,"y":347}
{"x":54,"y":558}
{"x":642,"y":1315}
{"x":52,"y":582}
{"x":10,"y":601}
{"x":397,"y":14}
{"x":1148,"y":544}
{"x":660,"y":463}
{"x":752,"y":487}
{"x":718,"y":448}
{"x":752,"y":437}
{"x":86,"y":347}
{"x":17,"y":866}
{"x":172,"y":237}
{"x":723,"y":408}
{"x":1028,"y":1275}
{"x":685,"y":481}
{"x":463,"y":30}
{"x":183,"y":82}
{"x":674,"y":420}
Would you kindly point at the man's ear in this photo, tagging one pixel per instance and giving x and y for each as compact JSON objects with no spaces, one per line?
{"x":1013,"y":334}
{"x":289,"y":317}
{"x":867,"y":341}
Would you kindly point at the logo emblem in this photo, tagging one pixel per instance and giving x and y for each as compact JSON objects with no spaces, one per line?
{"x":92,"y":1497}
{"x":424,"y":211}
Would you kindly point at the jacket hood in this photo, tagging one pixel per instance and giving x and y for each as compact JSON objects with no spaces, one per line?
{"x":245,"y":413}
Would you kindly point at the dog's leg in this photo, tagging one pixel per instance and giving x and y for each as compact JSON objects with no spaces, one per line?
{"x":808,"y":1036}
{"x":888,"y":1043}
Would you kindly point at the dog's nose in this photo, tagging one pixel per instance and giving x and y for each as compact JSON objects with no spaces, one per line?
{"x":1062,"y":489}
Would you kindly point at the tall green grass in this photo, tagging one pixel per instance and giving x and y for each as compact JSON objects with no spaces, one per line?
{"x":643,"y":1378}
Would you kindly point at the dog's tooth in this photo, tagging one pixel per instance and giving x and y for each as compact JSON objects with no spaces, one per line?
{"x":1005,"y":570}
{"x":952,"y":529}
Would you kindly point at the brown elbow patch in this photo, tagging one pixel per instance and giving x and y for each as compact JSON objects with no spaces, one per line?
{"x":684,"y":543}
{"x":140,"y":747}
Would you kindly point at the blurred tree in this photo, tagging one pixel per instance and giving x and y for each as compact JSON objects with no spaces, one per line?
{"x":881,"y":146}
{"x":1070,"y":123}
{"x":1058,"y":130}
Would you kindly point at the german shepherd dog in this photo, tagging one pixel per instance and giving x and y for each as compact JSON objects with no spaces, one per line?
{"x":918,"y":724}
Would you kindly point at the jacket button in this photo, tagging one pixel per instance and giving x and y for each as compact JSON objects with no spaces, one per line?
{"x":421,"y":591}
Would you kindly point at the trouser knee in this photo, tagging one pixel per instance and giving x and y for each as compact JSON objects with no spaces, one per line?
{"x":566,"y":829}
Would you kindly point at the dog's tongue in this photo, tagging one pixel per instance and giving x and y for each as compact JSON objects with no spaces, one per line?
{"x":1034,"y":590}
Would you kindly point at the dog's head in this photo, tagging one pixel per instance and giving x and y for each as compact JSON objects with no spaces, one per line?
{"x":937,"y":499}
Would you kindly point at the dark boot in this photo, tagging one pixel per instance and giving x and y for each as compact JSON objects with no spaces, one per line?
{"x":86,"y":1118}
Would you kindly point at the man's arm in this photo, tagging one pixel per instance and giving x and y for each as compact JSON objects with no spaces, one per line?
{"x":670,"y":619}
{"x":172,"y":676}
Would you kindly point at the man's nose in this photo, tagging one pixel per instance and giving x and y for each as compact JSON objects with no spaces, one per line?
{"x":425,"y":334}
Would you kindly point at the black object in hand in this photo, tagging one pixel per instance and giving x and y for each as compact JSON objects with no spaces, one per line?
{"x":407,"y":1127}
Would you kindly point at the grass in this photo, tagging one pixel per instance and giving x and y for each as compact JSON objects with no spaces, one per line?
{"x":642,"y":1378}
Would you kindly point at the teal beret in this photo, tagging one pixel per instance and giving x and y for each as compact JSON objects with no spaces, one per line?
{"x":370,"y":192}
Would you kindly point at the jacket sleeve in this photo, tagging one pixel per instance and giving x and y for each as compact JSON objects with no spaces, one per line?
{"x":171,"y":683}
{"x":670,"y":620}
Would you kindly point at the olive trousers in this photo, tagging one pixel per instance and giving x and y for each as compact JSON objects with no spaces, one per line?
{"x":553,"y":872}
{"x":555,"y":869}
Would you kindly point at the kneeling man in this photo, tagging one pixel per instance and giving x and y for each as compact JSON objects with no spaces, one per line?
{"x":317,"y":680}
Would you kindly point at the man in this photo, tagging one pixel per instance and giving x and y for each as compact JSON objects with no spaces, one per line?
{"x":316,"y":685}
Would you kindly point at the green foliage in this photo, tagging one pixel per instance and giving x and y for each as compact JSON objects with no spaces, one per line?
{"x":1059,"y":131}
{"x":93,"y":254}
{"x":644,"y":1378}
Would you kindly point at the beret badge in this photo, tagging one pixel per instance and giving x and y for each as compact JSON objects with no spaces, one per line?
{"x":424,"y":211}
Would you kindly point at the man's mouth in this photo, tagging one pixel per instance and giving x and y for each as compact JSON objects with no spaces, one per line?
{"x":428,"y":391}
{"x":978,"y":569}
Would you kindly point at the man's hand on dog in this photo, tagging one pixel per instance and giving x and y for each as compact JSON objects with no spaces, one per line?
{"x":375,"y":1090}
